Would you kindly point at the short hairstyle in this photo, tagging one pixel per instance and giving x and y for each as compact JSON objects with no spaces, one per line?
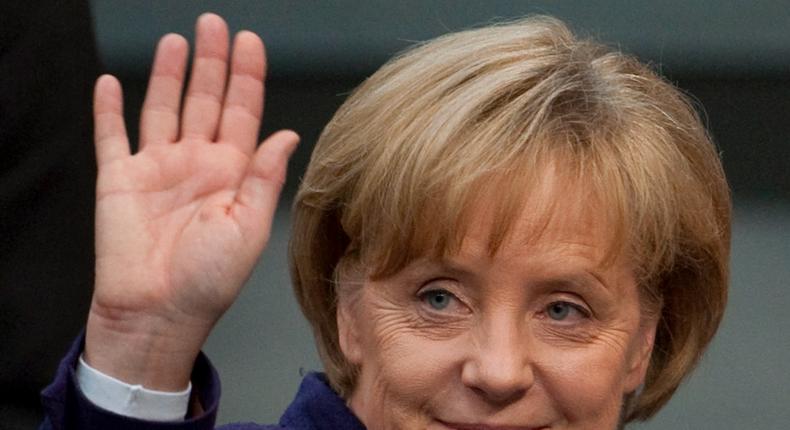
{"x":395,"y":169}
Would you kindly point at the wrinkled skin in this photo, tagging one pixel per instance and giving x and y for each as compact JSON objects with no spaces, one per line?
{"x":540,"y":336}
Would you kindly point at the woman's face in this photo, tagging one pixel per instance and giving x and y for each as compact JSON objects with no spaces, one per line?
{"x":540,"y":336}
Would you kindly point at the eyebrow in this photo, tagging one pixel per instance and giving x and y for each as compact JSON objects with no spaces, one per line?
{"x":422,"y":265}
{"x":581,"y":278}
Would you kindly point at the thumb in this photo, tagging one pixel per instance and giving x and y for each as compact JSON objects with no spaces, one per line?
{"x":257,"y":196}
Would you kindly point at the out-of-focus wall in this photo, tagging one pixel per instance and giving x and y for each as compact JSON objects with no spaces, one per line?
{"x":734,"y":57}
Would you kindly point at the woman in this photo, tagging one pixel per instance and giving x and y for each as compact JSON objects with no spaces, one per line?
{"x":504,"y":228}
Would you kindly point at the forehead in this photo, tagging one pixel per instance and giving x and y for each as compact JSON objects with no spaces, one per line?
{"x":560,"y":234}
{"x":549,"y":207}
{"x":546,"y":202}
{"x":552,"y":212}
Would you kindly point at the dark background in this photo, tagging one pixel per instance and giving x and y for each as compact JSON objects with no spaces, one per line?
{"x":732,"y":57}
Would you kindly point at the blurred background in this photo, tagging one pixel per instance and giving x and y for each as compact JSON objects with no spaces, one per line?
{"x":732,"y":57}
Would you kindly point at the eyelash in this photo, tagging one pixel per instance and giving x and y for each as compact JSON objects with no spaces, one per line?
{"x":425,"y":295}
{"x":581,"y":310}
{"x":454,"y":304}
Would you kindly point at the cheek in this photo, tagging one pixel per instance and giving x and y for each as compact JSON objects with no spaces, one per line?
{"x":403,"y":371}
{"x":585,"y":383}
{"x":411,"y":365}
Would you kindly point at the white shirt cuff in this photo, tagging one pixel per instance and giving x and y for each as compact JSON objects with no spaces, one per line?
{"x":133,"y":401}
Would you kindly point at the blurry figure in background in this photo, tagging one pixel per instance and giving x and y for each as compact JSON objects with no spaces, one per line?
{"x":48,"y":64}
{"x":505,"y":227}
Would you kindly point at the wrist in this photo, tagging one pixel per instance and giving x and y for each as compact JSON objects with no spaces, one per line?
{"x":145,"y":350}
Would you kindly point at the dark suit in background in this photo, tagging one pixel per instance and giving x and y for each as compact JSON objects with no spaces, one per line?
{"x":48,"y":63}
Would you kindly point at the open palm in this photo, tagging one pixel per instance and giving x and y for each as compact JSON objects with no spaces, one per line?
{"x":180,"y":224}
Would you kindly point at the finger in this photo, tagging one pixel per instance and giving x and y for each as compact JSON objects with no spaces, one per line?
{"x":256,"y":200}
{"x":109,"y":128}
{"x":159,"y":119}
{"x":207,"y":81}
{"x":241,"y":113}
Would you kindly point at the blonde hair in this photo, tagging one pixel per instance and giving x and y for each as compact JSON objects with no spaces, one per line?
{"x":394,"y":172}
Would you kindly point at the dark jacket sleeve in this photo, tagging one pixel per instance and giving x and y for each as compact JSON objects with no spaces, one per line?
{"x":66,"y":408}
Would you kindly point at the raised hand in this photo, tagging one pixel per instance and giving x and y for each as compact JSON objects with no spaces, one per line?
{"x":180,"y":224}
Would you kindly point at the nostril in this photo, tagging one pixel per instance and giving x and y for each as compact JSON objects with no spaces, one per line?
{"x":497,"y":385}
{"x":499,"y":397}
{"x":504,"y":396}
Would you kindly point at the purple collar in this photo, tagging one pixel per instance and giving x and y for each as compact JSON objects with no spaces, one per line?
{"x":317,"y":407}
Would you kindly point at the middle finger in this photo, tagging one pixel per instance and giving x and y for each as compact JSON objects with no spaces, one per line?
{"x":203,"y":102}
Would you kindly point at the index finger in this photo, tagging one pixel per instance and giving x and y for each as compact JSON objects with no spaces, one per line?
{"x":159,"y":119}
{"x":241,"y":112}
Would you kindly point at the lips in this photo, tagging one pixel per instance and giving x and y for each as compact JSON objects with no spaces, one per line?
{"x":480,"y":426}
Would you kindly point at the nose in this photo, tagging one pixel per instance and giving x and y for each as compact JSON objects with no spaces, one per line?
{"x":499,"y":368}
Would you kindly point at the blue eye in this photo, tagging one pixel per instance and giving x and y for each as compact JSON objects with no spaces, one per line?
{"x":437,"y":299}
{"x":559,"y":311}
